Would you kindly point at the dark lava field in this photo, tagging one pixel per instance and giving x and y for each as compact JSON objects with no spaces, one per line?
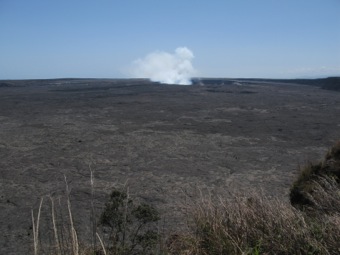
{"x":162,"y":141}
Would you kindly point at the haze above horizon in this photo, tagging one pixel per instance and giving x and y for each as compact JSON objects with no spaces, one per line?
{"x":236,"y":38}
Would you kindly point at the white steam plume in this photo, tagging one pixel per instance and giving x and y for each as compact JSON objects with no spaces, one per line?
{"x":166,"y":68}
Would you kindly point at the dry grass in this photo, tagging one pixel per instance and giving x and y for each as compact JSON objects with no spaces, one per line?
{"x":239,"y":224}
{"x":256,"y":225}
{"x":316,"y":178}
{"x":65,"y":239}
{"x":35,"y":228}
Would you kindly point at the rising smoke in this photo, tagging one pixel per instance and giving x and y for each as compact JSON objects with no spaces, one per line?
{"x":166,"y":68}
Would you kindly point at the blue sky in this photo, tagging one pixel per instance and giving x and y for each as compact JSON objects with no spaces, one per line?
{"x":229,"y":38}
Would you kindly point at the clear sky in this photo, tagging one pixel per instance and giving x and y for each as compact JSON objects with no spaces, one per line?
{"x":229,"y":38}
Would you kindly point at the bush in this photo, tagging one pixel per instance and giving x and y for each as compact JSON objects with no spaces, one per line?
{"x":130,"y":229}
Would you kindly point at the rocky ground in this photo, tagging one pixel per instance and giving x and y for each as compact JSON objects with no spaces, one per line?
{"x":163,"y":141}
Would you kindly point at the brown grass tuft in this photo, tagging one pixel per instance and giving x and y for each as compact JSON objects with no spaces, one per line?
{"x":256,"y":224}
{"x":307,"y":192}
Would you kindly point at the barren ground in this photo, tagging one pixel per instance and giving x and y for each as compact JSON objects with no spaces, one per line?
{"x":162,"y":140}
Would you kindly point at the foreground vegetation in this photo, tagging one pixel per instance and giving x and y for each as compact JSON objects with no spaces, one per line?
{"x":238,"y":224}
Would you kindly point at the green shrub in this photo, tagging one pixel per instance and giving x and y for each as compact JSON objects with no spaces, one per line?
{"x":130,"y":228}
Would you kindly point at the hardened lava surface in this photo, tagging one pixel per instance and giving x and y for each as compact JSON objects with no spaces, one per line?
{"x":161,"y":141}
